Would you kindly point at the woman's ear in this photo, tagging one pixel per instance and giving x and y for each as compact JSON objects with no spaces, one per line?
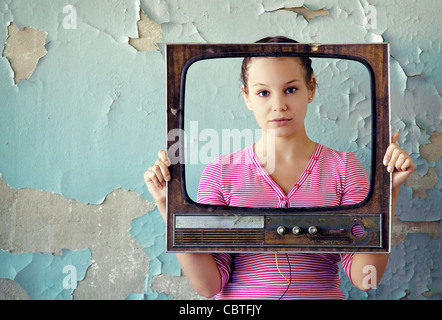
{"x":245,"y":96}
{"x":312,"y":88}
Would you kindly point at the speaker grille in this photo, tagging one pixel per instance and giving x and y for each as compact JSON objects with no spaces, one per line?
{"x":235,"y":237}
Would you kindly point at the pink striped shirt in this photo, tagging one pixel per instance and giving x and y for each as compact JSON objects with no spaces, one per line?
{"x":331,"y":178}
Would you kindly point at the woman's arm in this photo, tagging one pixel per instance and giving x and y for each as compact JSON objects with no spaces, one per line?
{"x":200,"y":268}
{"x":367,"y":269}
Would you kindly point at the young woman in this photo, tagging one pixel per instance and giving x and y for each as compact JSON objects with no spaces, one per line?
{"x":278,"y":90}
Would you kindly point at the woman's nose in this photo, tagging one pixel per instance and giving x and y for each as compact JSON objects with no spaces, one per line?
{"x":279,"y":103}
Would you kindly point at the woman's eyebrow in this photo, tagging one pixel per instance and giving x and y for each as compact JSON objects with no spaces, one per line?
{"x":291,"y":81}
{"x":288,"y":82}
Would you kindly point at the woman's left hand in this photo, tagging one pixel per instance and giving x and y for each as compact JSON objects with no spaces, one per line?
{"x":398,"y":162}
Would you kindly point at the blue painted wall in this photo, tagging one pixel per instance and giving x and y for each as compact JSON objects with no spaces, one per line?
{"x":91,"y":118}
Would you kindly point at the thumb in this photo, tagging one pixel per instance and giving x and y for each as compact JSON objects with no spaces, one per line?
{"x":395,"y":137}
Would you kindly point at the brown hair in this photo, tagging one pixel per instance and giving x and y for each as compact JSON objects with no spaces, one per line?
{"x":306,"y":63}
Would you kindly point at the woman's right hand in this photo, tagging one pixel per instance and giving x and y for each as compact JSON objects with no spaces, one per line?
{"x":156,"y":177}
{"x":200,"y":268}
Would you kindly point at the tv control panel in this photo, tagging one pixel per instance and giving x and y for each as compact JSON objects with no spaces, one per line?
{"x":291,"y":230}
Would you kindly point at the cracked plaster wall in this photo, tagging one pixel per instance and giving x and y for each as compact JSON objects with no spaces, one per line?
{"x":80,"y":132}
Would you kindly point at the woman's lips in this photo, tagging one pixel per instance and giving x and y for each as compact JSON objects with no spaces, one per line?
{"x":280,"y":121}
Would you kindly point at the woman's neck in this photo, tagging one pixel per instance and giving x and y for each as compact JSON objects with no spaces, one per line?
{"x":280,"y":150}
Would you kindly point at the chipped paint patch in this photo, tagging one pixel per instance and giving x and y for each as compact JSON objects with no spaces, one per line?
{"x":149,"y":34}
{"x":150,"y":232}
{"x":305,"y":12}
{"x":176,"y":287}
{"x":432,"y":151}
{"x":412,"y":273}
{"x":420,"y":184}
{"x":43,"y":276}
{"x":11,"y":290}
{"x":41,"y":221}
{"x":401,"y":229}
{"x":23,"y":49}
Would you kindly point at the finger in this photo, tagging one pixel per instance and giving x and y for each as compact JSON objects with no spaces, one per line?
{"x":408,"y":165}
{"x":395,"y":137}
{"x":156,"y":168}
{"x":164,"y":157}
{"x":403,"y":157}
{"x":389,"y":153}
{"x":390,"y":149}
{"x":151,"y":179}
{"x":400,"y":177}
{"x":398,"y":159}
{"x":164,"y":170}
{"x":394,"y":158}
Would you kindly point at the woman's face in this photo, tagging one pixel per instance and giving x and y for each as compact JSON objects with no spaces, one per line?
{"x":278,"y":94}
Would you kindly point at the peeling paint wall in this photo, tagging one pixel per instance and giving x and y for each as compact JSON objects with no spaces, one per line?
{"x":85,"y":121}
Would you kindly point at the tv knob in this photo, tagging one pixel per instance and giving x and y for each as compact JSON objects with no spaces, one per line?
{"x":296,"y":230}
{"x":281,"y":230}
{"x":312,"y":230}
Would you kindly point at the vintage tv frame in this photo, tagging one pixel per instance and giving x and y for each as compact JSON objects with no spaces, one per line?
{"x":195,"y":227}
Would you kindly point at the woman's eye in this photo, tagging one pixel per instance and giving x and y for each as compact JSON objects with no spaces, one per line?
{"x":263,"y":93}
{"x":290,"y":90}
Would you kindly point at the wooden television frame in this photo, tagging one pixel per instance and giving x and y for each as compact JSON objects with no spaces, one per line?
{"x":195,"y":227}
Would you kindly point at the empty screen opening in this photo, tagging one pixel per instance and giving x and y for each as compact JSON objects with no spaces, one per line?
{"x":217,"y":121}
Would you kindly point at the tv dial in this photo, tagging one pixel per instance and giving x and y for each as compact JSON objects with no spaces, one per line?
{"x":296,"y":230}
{"x":312,"y":230}
{"x":281,"y":230}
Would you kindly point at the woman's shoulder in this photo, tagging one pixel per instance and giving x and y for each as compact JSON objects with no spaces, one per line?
{"x":341,"y":156}
{"x":239,"y":157}
{"x":339,"y":161}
